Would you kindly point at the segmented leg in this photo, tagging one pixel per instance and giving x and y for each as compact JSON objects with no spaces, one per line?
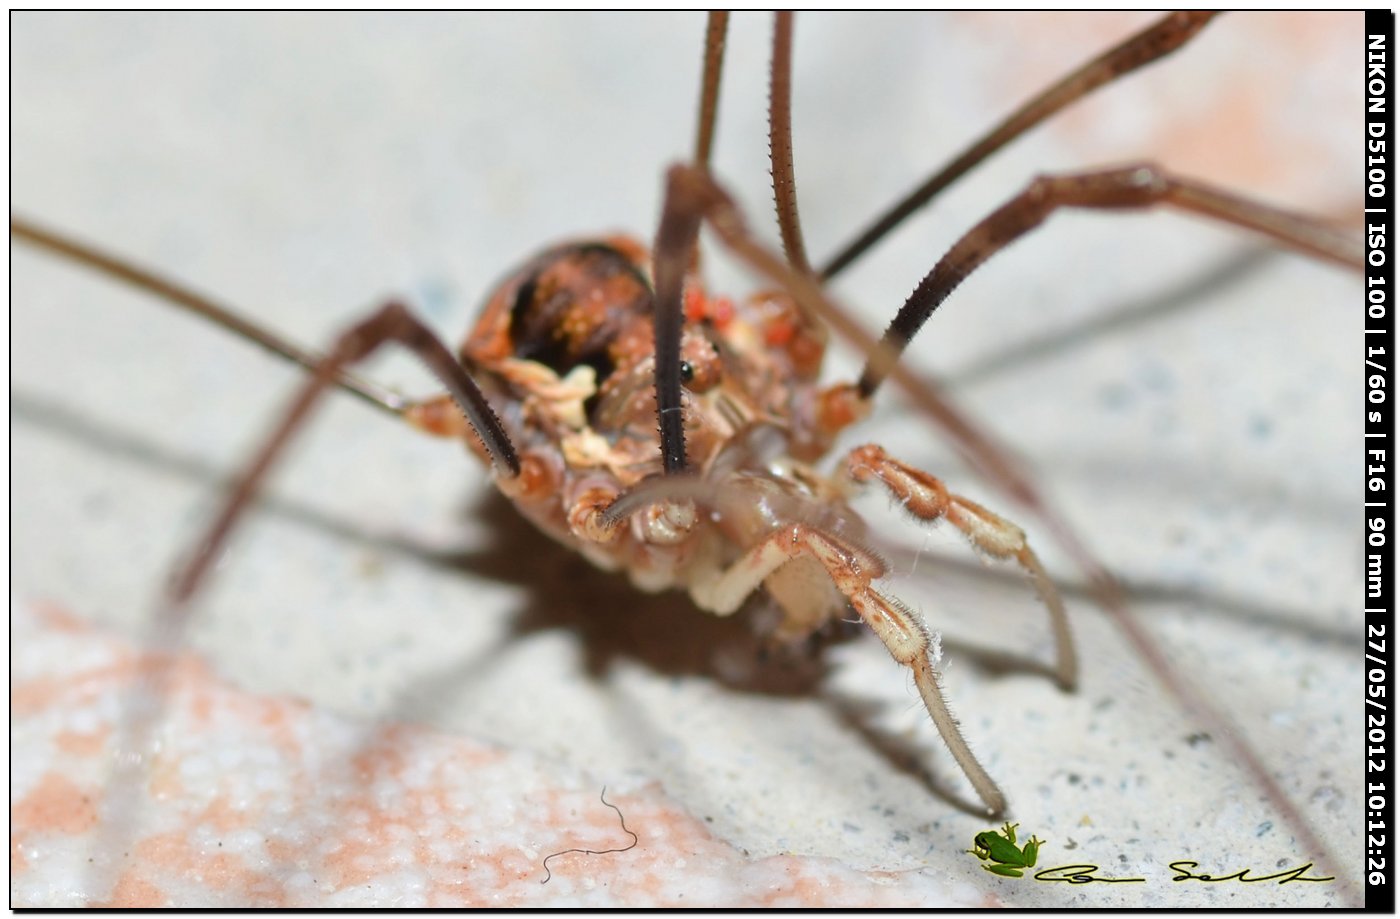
{"x":716,"y":27}
{"x":927,"y":498}
{"x":780,"y":143}
{"x":177,"y":294}
{"x":391,"y":323}
{"x":1138,"y":50}
{"x":1124,"y":188}
{"x":851,"y":569}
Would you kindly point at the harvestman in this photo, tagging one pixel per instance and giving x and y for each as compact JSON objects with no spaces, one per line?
{"x":588,"y":343}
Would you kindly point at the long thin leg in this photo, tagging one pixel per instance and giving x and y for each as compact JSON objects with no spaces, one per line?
{"x":716,"y":30}
{"x":1124,"y":188}
{"x":391,"y":323}
{"x":851,"y":569}
{"x":1151,"y":44}
{"x":180,"y":295}
{"x":780,"y":143}
{"x":927,"y":498}
{"x":716,"y":26}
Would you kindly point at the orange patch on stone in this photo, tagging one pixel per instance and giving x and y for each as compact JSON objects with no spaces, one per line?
{"x":222,"y":816}
{"x":56,"y":805}
{"x":1227,"y":136}
{"x":279,"y":719}
{"x":59,"y":618}
{"x":76,"y":743}
{"x":282,"y":852}
{"x":230,"y":872}
{"x":33,"y":696}
{"x":135,"y":891}
{"x":168,"y":850}
{"x":799,"y":890}
{"x":18,"y":863}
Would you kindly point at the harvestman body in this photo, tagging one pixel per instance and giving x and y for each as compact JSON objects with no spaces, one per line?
{"x":588,"y":347}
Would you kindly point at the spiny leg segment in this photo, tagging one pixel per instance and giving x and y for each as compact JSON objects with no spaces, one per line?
{"x":1138,"y":50}
{"x":1136,"y":187}
{"x":716,"y":27}
{"x":780,"y":143}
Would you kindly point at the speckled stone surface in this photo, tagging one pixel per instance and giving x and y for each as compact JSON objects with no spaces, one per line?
{"x":397,"y":693}
{"x":257,"y":801}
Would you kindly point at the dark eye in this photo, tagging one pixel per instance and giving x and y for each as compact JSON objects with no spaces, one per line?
{"x":687,"y":372}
